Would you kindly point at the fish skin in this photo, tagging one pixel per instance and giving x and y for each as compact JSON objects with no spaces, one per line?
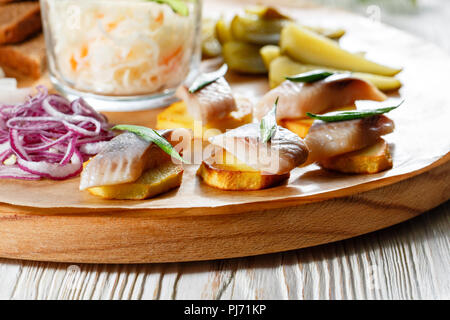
{"x":213,"y":102}
{"x":125,"y":158}
{"x":284,"y":152}
{"x":297,"y":98}
{"x":329,"y":139}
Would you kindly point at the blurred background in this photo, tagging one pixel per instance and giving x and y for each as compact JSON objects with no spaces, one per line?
{"x":429,"y":19}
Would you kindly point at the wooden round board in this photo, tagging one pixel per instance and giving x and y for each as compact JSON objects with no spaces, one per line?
{"x":54,"y":221}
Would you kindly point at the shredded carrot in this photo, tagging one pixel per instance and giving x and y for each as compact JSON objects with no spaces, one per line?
{"x":73,"y":63}
{"x":84,"y":51}
{"x":130,"y":54}
{"x":166,"y":60}
{"x":111,"y":26}
{"x":160,"y":18}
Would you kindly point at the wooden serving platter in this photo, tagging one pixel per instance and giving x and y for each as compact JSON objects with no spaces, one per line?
{"x":142,"y":236}
{"x":54,"y":221}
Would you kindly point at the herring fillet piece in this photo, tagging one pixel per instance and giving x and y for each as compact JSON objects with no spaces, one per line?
{"x":297,"y":98}
{"x":284,"y":152}
{"x":329,"y":139}
{"x":122,"y":160}
{"x":213,"y":102}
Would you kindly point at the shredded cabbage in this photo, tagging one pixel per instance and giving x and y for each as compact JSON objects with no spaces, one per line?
{"x":120,"y":47}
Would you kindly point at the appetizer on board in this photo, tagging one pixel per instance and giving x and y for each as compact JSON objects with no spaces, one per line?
{"x":298,"y":98}
{"x":350,"y":141}
{"x":253,"y":156}
{"x":131,"y":166}
{"x":329,"y":139}
{"x":49,"y":137}
{"x":207,"y":104}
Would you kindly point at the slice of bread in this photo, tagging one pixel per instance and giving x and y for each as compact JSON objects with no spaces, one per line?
{"x":19,"y":21}
{"x":27,"y":58}
{"x":8,"y":1}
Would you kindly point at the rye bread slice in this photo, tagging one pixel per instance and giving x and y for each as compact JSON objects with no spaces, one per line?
{"x":19,"y":21}
{"x":8,"y":1}
{"x":27,"y":58}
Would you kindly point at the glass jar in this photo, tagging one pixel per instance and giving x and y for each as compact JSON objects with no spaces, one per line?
{"x":121,"y":54}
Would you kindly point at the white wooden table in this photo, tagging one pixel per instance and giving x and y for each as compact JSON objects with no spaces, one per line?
{"x":408,"y":261}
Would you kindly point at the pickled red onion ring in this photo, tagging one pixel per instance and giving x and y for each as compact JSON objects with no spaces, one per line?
{"x":49,"y":136}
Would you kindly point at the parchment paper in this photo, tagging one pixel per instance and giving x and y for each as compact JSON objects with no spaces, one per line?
{"x":421,"y":137}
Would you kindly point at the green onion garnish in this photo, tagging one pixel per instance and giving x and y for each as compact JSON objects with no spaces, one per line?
{"x":352,"y":114}
{"x":178,"y":6}
{"x":151,"y":135}
{"x":206,"y":78}
{"x":311,"y":76}
{"x":268,"y":125}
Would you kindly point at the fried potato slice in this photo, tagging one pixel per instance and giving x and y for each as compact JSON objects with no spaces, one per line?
{"x":373,"y":159}
{"x":301,"y":126}
{"x":297,"y":126}
{"x":231,"y":174}
{"x":177,"y":116}
{"x":154,"y":181}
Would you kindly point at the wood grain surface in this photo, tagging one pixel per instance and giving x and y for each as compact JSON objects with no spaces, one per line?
{"x":140,"y":236}
{"x":407,"y":261}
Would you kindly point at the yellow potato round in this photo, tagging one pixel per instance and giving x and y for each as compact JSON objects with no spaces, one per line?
{"x":237,"y":180}
{"x":177,"y":116}
{"x":152,"y":182}
{"x":231,"y":174}
{"x":373,"y":159}
{"x":301,"y":126}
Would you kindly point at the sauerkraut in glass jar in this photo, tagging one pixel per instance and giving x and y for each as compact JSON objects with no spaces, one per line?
{"x":125,"y":54}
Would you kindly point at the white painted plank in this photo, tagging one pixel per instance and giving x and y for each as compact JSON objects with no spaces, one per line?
{"x":409,"y":261}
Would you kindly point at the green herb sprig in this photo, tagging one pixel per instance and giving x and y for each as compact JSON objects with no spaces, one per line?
{"x":151,"y":135}
{"x":268,"y":125}
{"x":352,"y":114}
{"x":178,"y":6}
{"x":206,"y":78}
{"x":310,"y":76}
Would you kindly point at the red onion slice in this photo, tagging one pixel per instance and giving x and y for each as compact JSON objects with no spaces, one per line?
{"x":13,"y":172}
{"x":69,"y":119}
{"x":17,"y":145}
{"x":49,"y":136}
{"x":70,"y":151}
{"x":49,"y":143}
{"x":52,"y":170}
